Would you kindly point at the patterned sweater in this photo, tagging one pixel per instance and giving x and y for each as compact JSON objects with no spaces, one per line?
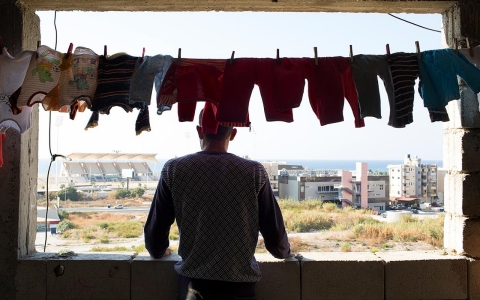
{"x":220,"y":202}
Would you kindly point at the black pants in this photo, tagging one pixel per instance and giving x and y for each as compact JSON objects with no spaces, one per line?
{"x":202,"y":289}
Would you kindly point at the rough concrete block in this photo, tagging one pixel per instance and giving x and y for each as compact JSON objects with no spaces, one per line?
{"x":89,"y":276}
{"x":280,"y":278}
{"x":154,"y":278}
{"x":462,"y":194}
{"x":463,"y":113}
{"x":331,"y":275}
{"x":424,"y":275}
{"x":31,"y":276}
{"x":474,"y":279}
{"x":461,"y":235}
{"x":461,"y":150}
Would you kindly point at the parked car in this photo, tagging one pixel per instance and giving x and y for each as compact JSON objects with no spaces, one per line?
{"x":118,"y":206}
{"x":435,"y":204}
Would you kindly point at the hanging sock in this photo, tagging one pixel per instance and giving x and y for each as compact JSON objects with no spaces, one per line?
{"x":143,"y":121}
{"x":93,"y":121}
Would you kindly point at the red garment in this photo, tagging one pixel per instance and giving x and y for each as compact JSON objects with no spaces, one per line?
{"x":238,"y":81}
{"x":192,"y":80}
{"x":2,"y":137}
{"x":329,"y":83}
{"x":289,"y":83}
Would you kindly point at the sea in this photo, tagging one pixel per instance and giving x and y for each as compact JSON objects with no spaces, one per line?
{"x":310,"y":164}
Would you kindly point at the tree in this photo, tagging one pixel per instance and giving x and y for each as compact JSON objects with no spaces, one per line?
{"x":70,"y":193}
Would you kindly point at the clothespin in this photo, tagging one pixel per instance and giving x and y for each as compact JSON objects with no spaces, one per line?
{"x":455,"y":41}
{"x":470,"y":49}
{"x":232,"y":57}
{"x":1,"y":45}
{"x":388,"y":49}
{"x":179,"y":55}
{"x":419,"y":54}
{"x":105,"y":50}
{"x":38,"y":46}
{"x":278,"y":56}
{"x":143,"y":55}
{"x":69,"y":52}
{"x":316,"y":56}
{"x":351,"y":53}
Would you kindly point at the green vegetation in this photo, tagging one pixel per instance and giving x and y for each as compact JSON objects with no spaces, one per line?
{"x":63,"y":214}
{"x":65,"y":225}
{"x":137,"y":249}
{"x":346,"y":247}
{"x":124,"y":193}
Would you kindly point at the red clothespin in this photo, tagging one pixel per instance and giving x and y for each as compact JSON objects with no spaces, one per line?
{"x":388,"y":49}
{"x":1,"y":45}
{"x":232,"y":57}
{"x":351,"y":53}
{"x":316,"y":56}
{"x":470,"y":49}
{"x":105,"y":50}
{"x":419,"y":54}
{"x":278,"y":56}
{"x":455,"y":41}
{"x":69,"y":52}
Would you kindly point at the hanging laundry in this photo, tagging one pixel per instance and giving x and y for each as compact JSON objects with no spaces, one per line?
{"x":239,"y":78}
{"x":2,"y":137}
{"x":143,"y":120}
{"x":148,"y":70}
{"x":476,"y":55}
{"x":329,"y":83}
{"x":191,"y":80}
{"x":12,"y":75}
{"x":42,"y":78}
{"x":404,"y":70}
{"x":365,"y":69}
{"x":113,"y":88}
{"x":438,"y":79}
{"x":93,"y":121}
{"x":79,"y":82}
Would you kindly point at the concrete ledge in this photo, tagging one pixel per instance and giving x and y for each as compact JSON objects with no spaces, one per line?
{"x":154,"y":278}
{"x":462,"y":194}
{"x":31,"y":276}
{"x":280,"y":278}
{"x":89,"y":276}
{"x":474,"y":279}
{"x":424,"y":275}
{"x":351,"y":275}
{"x":461,"y":150}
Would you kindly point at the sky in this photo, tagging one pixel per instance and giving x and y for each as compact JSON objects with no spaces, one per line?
{"x":216,"y":35}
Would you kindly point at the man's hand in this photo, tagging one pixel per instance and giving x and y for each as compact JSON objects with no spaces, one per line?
{"x":167,"y":252}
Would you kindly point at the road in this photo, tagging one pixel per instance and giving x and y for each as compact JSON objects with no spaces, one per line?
{"x":125,"y":209}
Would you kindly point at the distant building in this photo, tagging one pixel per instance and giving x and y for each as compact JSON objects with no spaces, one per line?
{"x":346,"y":188}
{"x":413,"y":180}
{"x":272,"y":170}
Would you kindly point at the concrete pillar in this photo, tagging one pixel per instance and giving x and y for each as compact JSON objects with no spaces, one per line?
{"x":462,"y":144}
{"x":20,"y":29}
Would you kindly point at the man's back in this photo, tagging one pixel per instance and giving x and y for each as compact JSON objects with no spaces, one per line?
{"x":215,"y":197}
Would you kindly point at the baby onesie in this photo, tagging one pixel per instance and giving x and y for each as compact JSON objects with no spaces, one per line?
{"x":12,"y":74}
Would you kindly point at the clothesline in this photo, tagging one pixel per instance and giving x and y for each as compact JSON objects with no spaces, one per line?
{"x":74,"y":81}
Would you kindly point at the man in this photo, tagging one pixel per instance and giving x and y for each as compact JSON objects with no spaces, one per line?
{"x":220,"y":202}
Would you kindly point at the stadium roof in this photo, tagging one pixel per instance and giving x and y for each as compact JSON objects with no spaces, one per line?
{"x":113,"y":156}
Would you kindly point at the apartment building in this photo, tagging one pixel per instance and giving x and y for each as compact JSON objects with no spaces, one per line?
{"x":272,"y":168}
{"x":413,"y":180}
{"x":347,"y":188}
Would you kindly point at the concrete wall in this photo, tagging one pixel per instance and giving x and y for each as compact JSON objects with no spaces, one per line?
{"x":329,"y":275}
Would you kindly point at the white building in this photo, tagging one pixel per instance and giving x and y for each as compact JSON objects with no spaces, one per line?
{"x":272,"y":170}
{"x":413,"y":180}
